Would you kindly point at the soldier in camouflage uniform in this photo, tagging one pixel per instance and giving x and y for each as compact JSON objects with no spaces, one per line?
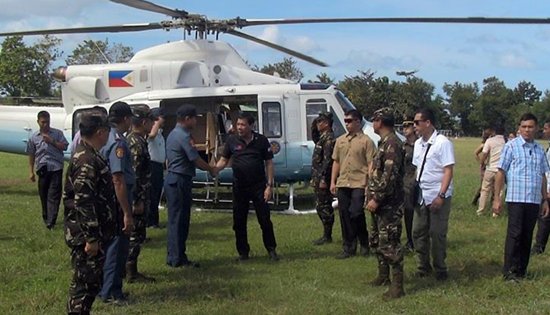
{"x":385,"y":202}
{"x":321,"y":168}
{"x":91,"y":216}
{"x":409,"y":180}
{"x":142,"y":122}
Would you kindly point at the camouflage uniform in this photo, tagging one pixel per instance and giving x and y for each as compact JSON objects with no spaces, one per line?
{"x":321,"y":168}
{"x":90,"y":216}
{"x":386,"y":187}
{"x":141,"y":163}
{"x":408,"y":186}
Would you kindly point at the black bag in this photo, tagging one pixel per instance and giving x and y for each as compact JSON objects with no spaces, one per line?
{"x":417,"y":189}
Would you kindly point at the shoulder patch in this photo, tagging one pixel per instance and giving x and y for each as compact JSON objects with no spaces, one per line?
{"x":119,"y":152}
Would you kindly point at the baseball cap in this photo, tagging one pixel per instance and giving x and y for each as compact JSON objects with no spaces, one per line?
{"x":186,"y":110}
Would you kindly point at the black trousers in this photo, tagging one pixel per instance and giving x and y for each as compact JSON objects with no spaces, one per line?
{"x":543,"y":231}
{"x":49,"y":190}
{"x":241,"y":200}
{"x":521,"y":222}
{"x":352,"y":218}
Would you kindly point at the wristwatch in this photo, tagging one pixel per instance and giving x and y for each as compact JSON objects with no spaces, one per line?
{"x":441,"y":195}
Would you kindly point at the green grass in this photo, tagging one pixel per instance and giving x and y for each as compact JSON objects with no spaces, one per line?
{"x":35,"y":270}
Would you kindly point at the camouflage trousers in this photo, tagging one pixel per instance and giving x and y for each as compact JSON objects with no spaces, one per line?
{"x":87,"y":280}
{"x":386,"y":234}
{"x":137,"y":237}
{"x":323,"y":205}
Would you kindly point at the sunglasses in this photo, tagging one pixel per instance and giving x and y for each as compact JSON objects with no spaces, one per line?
{"x":348,"y":120}
{"x":417,"y":122}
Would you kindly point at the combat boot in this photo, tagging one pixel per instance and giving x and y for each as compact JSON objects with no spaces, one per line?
{"x":383,"y":277}
{"x":132,"y":274}
{"x":396,"y":288}
{"x":326,"y":238}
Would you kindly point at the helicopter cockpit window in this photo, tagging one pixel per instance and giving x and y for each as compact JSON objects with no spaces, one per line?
{"x":313,"y":108}
{"x":271,"y":118}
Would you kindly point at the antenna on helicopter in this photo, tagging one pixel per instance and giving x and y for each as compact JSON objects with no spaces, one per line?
{"x":101,"y":52}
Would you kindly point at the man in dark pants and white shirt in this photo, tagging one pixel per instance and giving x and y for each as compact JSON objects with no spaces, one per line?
{"x":434,"y":159}
{"x":45,"y":149}
{"x":524,"y":166}
{"x":251,"y":159}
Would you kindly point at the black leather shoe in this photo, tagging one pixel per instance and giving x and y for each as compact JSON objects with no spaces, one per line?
{"x":243,"y":257}
{"x":273,"y":256}
{"x":441,"y":276}
{"x":344,"y":255}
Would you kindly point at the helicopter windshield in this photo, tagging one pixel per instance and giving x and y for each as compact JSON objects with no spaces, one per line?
{"x":343,"y":101}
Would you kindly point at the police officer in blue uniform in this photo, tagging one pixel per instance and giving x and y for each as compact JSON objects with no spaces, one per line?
{"x":182,"y":158}
{"x":117,"y":154}
{"x":252,"y":164}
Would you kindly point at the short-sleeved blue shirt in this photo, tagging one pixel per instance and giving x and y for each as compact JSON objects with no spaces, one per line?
{"x":46,"y":154}
{"x":525,"y":165}
{"x":117,"y":153}
{"x":180,"y":152}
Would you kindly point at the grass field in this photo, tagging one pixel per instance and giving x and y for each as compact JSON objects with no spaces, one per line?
{"x":35,"y":270}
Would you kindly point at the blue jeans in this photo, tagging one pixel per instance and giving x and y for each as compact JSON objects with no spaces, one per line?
{"x":178,"y":197}
{"x":116,"y":252}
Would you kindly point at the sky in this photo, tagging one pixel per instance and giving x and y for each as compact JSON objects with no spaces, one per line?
{"x":442,"y":53}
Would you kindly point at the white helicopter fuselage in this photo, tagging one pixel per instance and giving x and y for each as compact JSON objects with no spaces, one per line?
{"x":208,"y":74}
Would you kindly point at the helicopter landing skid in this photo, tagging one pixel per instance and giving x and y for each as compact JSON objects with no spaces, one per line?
{"x":211,"y":200}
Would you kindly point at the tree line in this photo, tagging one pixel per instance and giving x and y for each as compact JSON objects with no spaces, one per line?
{"x":465,"y":108}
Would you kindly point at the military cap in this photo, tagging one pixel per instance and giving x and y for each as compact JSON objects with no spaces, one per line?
{"x":142,"y":112}
{"x":384,"y":113}
{"x":120,"y":110}
{"x":408,"y":123}
{"x":325,"y":116}
{"x":157,"y":112}
{"x":186,"y":110}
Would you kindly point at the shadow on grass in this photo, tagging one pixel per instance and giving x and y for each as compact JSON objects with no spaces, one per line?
{"x":215,"y":280}
{"x":20,"y":191}
{"x":217,"y":230}
{"x":471,"y":271}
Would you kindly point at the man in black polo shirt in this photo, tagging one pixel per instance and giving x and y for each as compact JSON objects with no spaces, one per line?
{"x":252,"y":156}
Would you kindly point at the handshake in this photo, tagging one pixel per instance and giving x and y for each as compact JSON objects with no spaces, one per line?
{"x":214,"y":171}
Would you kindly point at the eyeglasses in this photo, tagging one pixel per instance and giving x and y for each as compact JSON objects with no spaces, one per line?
{"x":417,"y":122}
{"x":348,"y":120}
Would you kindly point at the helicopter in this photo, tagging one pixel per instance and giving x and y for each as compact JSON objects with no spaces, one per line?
{"x":210,"y":74}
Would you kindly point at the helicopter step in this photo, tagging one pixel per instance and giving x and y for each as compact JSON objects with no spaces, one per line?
{"x":215,"y":196}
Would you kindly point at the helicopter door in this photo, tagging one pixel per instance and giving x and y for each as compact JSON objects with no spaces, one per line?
{"x":272,"y":127}
{"x":314,"y":106}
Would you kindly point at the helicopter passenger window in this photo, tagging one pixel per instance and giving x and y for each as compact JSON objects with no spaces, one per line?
{"x":271,"y":118}
{"x":313,"y":108}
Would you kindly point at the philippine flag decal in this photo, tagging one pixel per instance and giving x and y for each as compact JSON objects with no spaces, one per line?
{"x":122,"y":78}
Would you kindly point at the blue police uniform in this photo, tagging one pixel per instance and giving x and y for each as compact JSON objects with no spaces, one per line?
{"x":181,"y":155}
{"x":117,"y":153}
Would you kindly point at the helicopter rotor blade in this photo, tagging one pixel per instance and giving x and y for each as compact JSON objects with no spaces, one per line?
{"x":149,"y":6}
{"x":460,"y":20}
{"x":277,"y":47}
{"x":94,"y":29}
